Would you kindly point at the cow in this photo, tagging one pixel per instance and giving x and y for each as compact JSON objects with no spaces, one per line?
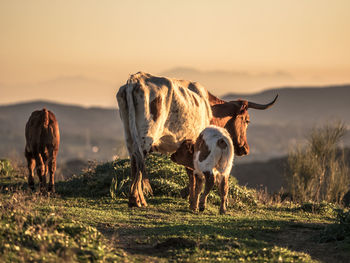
{"x":42,"y":144}
{"x":159,"y":113}
{"x":211,"y":159}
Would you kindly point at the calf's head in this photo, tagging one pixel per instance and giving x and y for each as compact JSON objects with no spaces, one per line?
{"x":184,"y":154}
{"x":234,"y":117}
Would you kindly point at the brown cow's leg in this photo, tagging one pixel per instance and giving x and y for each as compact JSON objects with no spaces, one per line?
{"x":40,"y":169}
{"x":198,"y":190}
{"x":52,"y":170}
{"x":223,"y":194}
{"x":209,"y":183}
{"x":31,"y":167}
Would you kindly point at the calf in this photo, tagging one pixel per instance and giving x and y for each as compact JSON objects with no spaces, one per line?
{"x":211,"y":159}
{"x":42,"y":143}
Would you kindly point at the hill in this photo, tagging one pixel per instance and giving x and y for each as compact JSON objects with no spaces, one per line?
{"x":90,"y":226}
{"x":270,"y":134}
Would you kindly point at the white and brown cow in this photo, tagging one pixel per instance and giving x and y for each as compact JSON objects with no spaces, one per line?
{"x":211,"y":159}
{"x":159,"y":113}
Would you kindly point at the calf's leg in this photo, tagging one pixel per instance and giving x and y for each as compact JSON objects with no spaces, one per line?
{"x":186,"y":191}
{"x":223,"y":193}
{"x":198,"y":189}
{"x":192,"y":189}
{"x":209,"y":183}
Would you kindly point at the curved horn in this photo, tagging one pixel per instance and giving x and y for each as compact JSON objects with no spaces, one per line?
{"x":257,"y":106}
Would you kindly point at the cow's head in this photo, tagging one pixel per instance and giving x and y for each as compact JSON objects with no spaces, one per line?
{"x":184,"y":154}
{"x":234,"y":117}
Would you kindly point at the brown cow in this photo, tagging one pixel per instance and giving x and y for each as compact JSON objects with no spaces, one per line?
{"x":42,"y":143}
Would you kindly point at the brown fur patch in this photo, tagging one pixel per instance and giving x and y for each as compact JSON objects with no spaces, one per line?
{"x":202,"y":147}
{"x":184,"y":154}
{"x":195,"y":100}
{"x":155,"y":107}
{"x":222,"y":144}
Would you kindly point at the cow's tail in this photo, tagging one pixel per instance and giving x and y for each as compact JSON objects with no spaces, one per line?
{"x":136,"y":145}
{"x":136,"y":141}
{"x":227,"y":154}
{"x":45,"y":118}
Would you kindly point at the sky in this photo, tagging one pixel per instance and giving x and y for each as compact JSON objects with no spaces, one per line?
{"x":81,"y":51}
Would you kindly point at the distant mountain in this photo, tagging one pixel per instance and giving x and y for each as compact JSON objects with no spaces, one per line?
{"x":301,"y":106}
{"x":97,"y":133}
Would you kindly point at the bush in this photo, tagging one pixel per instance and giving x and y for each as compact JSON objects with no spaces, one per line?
{"x":6,"y":169}
{"x":340,"y":230}
{"x":95,"y":182}
{"x":318,"y":171}
{"x":168,"y":179}
{"x":30,"y":234}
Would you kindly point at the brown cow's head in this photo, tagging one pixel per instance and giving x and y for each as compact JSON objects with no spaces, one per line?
{"x":234,"y":117}
{"x":184,"y":154}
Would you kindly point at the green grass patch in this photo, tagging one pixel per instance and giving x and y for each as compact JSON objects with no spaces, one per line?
{"x":82,"y":223}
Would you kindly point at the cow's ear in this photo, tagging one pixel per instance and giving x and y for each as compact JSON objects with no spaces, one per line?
{"x":244,"y":106}
{"x":225,"y":109}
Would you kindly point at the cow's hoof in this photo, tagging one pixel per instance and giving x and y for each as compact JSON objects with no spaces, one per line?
{"x":51,"y":189}
{"x":184,"y":193}
{"x":222,"y":211}
{"x":134,"y":202}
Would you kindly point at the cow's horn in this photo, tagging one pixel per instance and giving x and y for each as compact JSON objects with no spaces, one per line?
{"x":257,"y":106}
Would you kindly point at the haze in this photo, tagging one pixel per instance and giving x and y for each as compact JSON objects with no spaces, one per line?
{"x":81,"y":51}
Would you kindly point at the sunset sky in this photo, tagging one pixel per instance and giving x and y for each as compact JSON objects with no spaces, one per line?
{"x":97,"y":44}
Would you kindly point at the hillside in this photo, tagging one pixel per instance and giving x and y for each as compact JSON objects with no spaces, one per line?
{"x":302,"y":106}
{"x":270,"y":134}
{"x":82,"y":223}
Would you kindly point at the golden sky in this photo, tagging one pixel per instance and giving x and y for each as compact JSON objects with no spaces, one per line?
{"x":107,"y":40}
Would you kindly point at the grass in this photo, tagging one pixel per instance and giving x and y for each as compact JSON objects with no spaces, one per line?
{"x":88,"y":226}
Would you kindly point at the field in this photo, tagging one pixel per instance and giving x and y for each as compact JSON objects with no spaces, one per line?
{"x":83,"y":223}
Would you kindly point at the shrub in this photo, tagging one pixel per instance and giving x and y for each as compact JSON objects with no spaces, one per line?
{"x":340,"y":230}
{"x":318,"y":171}
{"x":31,"y":234}
{"x":168,"y":179}
{"x":6,"y":168}
{"x":95,"y":182}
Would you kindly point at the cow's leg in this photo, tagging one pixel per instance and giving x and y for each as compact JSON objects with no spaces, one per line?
{"x":52,"y":170}
{"x":146,"y":186}
{"x":209,"y":183}
{"x":136,"y":197}
{"x":31,"y":166}
{"x":40,"y":169}
{"x":198,"y":189}
{"x":223,"y":193}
